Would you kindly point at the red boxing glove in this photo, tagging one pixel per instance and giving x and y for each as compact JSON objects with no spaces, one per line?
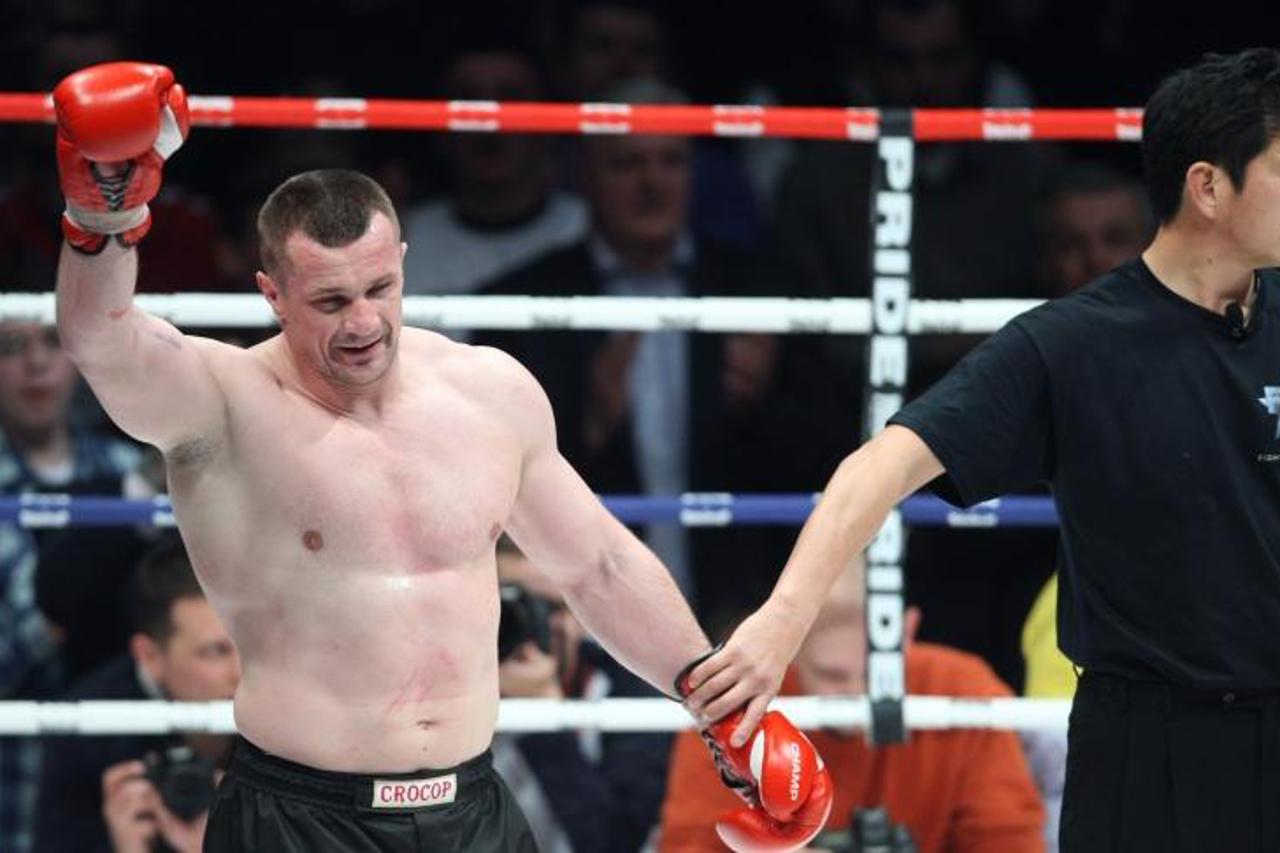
{"x":129,"y":117}
{"x":777,"y":773}
{"x":753,"y":830}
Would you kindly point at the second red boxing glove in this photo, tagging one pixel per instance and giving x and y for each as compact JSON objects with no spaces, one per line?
{"x":753,"y":830}
{"x":117,"y":123}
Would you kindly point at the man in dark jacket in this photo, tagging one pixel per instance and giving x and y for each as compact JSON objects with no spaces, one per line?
{"x":669,"y":412}
{"x":93,"y":795}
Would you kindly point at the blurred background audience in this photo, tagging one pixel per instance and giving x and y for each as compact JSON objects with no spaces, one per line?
{"x":655,"y":413}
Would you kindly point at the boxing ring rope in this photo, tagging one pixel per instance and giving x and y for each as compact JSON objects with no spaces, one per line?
{"x":707,"y":509}
{"x":759,"y":315}
{"x":545,"y":715}
{"x":764,"y":315}
{"x":725,"y":120}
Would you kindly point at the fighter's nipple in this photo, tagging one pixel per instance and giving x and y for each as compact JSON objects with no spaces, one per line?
{"x":312,"y":540}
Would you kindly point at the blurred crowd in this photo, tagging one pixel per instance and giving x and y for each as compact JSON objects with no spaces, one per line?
{"x":115,"y":612}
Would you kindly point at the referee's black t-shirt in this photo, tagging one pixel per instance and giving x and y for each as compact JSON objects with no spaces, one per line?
{"x":1160,"y":435}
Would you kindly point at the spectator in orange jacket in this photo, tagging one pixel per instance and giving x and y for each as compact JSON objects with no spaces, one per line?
{"x":955,"y":790}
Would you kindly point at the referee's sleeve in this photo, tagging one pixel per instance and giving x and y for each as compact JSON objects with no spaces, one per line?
{"x":988,"y":420}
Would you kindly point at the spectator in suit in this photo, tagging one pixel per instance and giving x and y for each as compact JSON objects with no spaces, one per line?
{"x":669,"y":412}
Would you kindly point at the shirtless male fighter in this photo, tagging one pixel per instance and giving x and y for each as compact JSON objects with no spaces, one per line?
{"x":340,"y":488}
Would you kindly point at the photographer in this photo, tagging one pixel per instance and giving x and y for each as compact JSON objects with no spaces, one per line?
{"x":141,"y":793}
{"x":581,"y":791}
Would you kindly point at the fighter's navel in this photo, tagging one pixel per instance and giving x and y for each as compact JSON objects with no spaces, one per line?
{"x":312,"y":540}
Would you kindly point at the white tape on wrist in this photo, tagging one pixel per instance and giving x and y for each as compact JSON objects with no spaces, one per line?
{"x":108,"y":222}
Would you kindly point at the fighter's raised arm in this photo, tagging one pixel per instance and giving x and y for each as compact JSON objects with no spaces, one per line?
{"x":116,"y":125}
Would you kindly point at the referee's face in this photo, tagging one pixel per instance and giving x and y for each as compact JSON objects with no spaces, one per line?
{"x":1251,"y":214}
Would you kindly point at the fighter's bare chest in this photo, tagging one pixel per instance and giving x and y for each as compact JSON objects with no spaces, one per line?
{"x":423,"y":489}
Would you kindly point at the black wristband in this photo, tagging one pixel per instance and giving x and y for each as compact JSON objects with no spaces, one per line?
{"x":681,"y":693}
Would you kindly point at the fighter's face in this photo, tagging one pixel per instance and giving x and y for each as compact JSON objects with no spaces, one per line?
{"x":37,"y":378}
{"x":340,"y":307}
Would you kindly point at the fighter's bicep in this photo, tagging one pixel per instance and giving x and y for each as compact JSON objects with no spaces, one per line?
{"x":557,"y":520}
{"x":158,"y":385}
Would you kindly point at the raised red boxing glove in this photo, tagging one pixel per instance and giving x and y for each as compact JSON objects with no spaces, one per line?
{"x":753,"y":830}
{"x":116,"y":125}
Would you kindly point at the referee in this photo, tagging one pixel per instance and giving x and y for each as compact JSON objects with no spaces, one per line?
{"x":1150,"y":401}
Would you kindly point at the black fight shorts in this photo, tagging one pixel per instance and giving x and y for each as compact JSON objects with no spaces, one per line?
{"x":266,"y":803}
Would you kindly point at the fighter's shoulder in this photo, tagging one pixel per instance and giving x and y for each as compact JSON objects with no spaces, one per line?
{"x":478,"y":371}
{"x":232,"y":360}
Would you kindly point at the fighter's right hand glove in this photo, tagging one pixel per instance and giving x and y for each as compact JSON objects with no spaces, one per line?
{"x":116,"y":125}
{"x":778,"y":774}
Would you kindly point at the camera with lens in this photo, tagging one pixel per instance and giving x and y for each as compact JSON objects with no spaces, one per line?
{"x":183,"y":779}
{"x":524,"y":617}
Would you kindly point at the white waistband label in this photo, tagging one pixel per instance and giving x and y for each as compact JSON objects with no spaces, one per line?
{"x":415,"y":793}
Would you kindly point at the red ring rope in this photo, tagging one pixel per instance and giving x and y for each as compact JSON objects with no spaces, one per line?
{"x":931,"y":125}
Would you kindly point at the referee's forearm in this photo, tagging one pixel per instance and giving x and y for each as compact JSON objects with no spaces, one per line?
{"x":866,"y":485}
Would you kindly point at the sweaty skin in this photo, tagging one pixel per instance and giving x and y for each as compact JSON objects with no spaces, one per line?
{"x":340,"y":489}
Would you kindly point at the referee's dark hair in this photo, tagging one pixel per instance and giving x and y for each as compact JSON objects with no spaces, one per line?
{"x":163,"y":577}
{"x":1224,"y":110}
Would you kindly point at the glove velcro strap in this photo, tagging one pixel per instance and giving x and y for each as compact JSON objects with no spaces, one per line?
{"x":744,"y":788}
{"x":108,"y":222}
{"x":683,"y":675}
{"x":170,"y":138}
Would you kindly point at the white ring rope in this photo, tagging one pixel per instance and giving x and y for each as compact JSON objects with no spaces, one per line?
{"x":613,"y":313}
{"x":543,"y":715}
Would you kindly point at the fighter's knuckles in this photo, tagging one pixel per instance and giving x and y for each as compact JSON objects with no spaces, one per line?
{"x":112,"y":112}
